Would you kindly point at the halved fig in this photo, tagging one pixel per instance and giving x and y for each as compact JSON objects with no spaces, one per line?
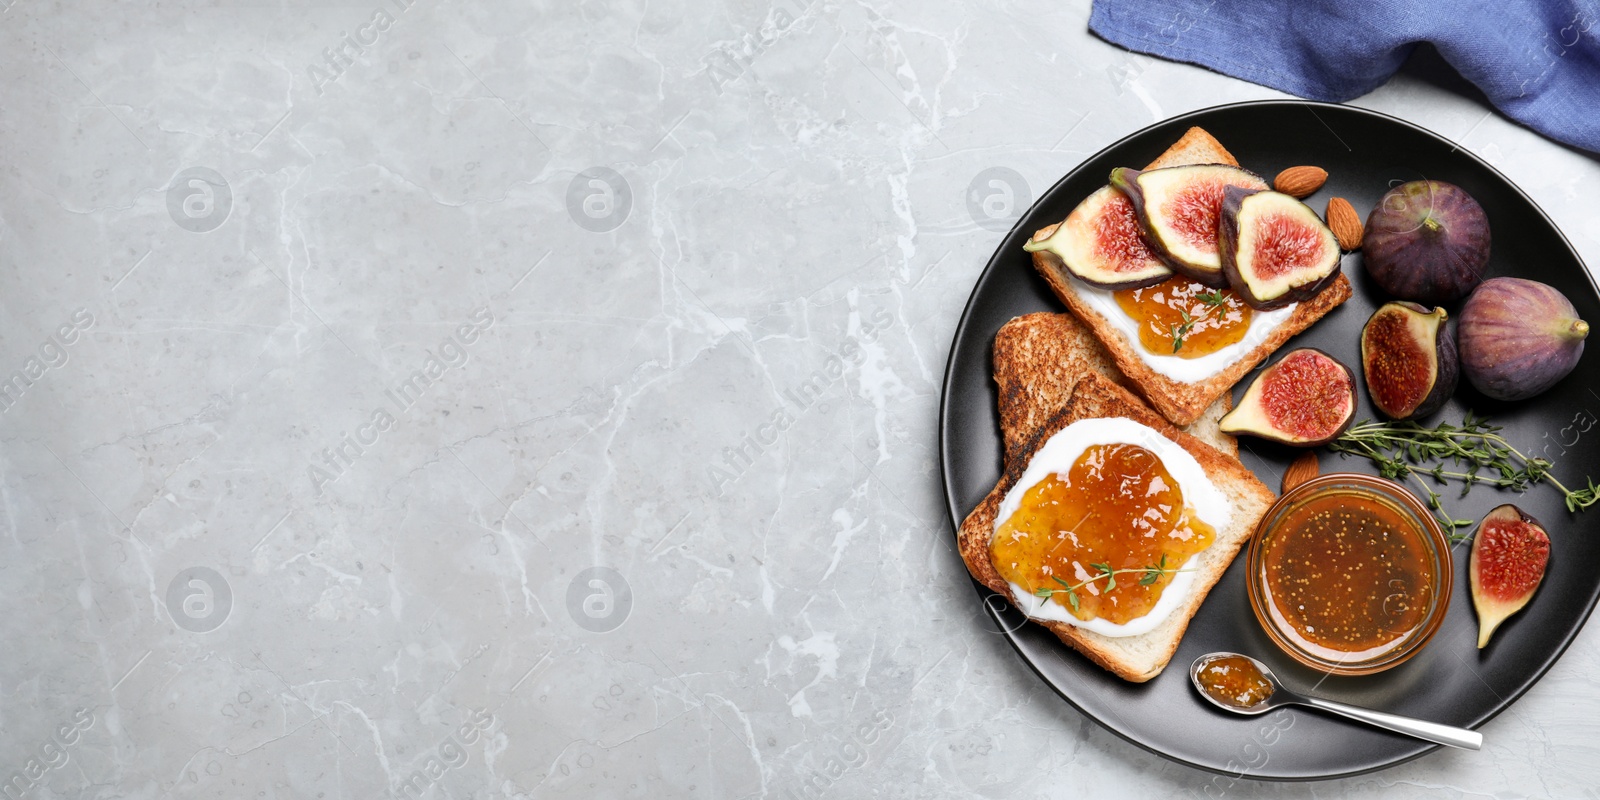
{"x":1275,"y":249}
{"x":1179,"y":209}
{"x":1306,"y":399}
{"x":1100,"y":243}
{"x":1409,"y":359}
{"x":1509,"y":555}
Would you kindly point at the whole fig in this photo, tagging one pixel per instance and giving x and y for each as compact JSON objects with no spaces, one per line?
{"x":1427,"y":241}
{"x":1518,"y":337}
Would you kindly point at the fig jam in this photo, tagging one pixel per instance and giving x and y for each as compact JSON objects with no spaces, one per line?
{"x":1160,"y":313}
{"x":1234,"y":681}
{"x":1117,"y":506}
{"x":1348,"y":575}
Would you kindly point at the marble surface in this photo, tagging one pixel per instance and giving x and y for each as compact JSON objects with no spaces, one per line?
{"x":538,"y":400}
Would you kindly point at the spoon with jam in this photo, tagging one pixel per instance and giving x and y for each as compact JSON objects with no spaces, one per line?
{"x":1244,"y":685}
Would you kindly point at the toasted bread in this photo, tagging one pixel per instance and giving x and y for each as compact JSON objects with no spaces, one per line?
{"x":1181,"y":402}
{"x":1142,"y":657}
{"x":1196,"y":147}
{"x":1038,"y":360}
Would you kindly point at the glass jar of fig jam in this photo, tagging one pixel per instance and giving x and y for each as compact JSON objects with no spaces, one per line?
{"x":1349,"y":574}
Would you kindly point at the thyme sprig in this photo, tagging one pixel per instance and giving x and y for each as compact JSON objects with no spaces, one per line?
{"x":1148,"y":575}
{"x":1406,"y":450}
{"x":1212,"y":299}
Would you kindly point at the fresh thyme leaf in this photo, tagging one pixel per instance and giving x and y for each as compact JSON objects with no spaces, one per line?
{"x":1149,"y":575}
{"x":1407,"y":449}
{"x":1179,"y":332}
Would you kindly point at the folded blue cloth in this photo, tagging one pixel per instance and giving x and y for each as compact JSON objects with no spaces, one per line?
{"x":1538,"y":61}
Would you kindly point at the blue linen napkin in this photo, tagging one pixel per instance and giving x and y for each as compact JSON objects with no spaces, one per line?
{"x":1538,"y":61}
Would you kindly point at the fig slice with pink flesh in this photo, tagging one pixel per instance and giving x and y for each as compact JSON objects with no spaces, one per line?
{"x":1275,"y":249}
{"x":1180,"y":209}
{"x":1306,"y":399}
{"x":1100,"y":243}
{"x":1509,"y":555}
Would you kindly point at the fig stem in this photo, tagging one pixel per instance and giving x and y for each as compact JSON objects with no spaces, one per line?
{"x":1430,"y":223}
{"x":1579,"y":329}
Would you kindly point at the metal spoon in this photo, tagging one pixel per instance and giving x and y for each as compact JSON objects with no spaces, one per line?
{"x":1430,"y":731}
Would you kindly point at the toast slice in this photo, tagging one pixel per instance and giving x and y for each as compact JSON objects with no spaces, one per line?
{"x":1181,"y":402}
{"x":1039,"y":359}
{"x":1142,"y":657}
{"x":1195,"y":147}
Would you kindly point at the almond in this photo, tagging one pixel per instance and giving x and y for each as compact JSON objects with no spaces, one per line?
{"x":1300,"y":470}
{"x":1300,"y":182}
{"x":1345,"y":223}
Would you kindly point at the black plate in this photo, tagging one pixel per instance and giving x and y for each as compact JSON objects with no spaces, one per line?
{"x":1449,"y":681}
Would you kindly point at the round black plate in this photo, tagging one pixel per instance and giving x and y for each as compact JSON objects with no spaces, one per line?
{"x":1451,"y":680}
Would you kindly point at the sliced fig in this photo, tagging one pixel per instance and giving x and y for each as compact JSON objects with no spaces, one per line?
{"x":1100,"y":243}
{"x":1509,"y":555}
{"x":1427,"y":241}
{"x":1306,"y":399}
{"x":1519,"y":337}
{"x":1275,"y":249}
{"x":1180,"y":208}
{"x":1409,"y":359}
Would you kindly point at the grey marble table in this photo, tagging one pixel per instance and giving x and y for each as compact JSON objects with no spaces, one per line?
{"x":450,"y":399}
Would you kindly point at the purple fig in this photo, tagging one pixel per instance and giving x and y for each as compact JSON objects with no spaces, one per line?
{"x":1427,"y":241}
{"x":1409,"y":359}
{"x":1519,"y":337}
{"x":1509,"y":556}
